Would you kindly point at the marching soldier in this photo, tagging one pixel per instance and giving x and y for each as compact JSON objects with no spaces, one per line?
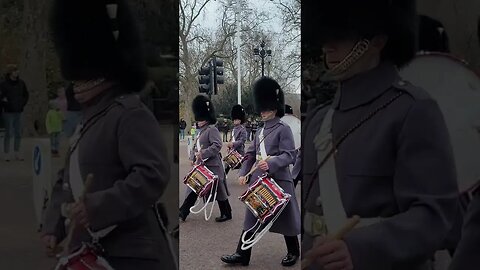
{"x":380,"y":151}
{"x":117,"y":142}
{"x":207,"y":148}
{"x":275,"y":140}
{"x":239,"y":133}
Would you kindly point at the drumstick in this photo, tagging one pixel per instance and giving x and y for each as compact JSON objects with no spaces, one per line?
{"x":254,"y":168}
{"x":351,"y":223}
{"x":68,"y":239}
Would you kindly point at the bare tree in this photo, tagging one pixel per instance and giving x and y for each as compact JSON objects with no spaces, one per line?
{"x":198,"y":44}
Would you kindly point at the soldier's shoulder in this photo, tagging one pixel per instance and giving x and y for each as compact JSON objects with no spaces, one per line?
{"x":412,"y":91}
{"x":129,"y":101}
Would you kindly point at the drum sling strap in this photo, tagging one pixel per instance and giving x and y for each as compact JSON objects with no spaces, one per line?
{"x":325,"y":172}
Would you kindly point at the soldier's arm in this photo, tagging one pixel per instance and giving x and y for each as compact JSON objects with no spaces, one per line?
{"x":467,"y":251}
{"x":215,"y":146}
{"x":250,"y":158}
{"x":143,"y":154}
{"x":425,"y":190}
{"x":194,"y":150}
{"x":297,"y":166}
{"x":286,"y":151}
{"x":242,"y":137}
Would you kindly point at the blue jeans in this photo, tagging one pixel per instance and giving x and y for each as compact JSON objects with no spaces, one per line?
{"x":182,"y":134}
{"x":55,"y":141}
{"x":13,"y":128}
{"x":72,"y":119}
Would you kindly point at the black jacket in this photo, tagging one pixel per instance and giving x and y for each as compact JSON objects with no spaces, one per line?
{"x":13,"y":96}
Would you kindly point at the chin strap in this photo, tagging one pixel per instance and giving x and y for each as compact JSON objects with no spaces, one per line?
{"x":355,"y":54}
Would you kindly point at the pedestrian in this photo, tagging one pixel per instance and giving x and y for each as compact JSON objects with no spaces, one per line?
{"x":14,"y":96}
{"x":193,"y":131}
{"x":183,"y":126}
{"x":239,"y":133}
{"x":226,"y":129}
{"x":248,"y":127}
{"x":254,"y":129}
{"x":61,"y":100}
{"x":274,"y":140}
{"x":206,"y":150}
{"x":117,"y":167}
{"x":53,"y":124}
{"x":380,"y":150}
{"x":74,"y":112}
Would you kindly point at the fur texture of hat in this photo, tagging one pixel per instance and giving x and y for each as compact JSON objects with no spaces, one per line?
{"x":98,"y":39}
{"x":268,"y":96}
{"x":352,"y":19}
{"x":203,"y":109}
{"x":238,"y":112}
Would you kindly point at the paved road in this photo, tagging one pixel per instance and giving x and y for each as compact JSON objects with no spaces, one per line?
{"x":20,"y":247}
{"x":202,"y":243}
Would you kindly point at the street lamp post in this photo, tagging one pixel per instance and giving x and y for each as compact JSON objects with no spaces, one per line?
{"x":261,"y":54}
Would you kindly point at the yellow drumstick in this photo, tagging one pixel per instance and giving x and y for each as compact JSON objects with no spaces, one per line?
{"x":351,"y":223}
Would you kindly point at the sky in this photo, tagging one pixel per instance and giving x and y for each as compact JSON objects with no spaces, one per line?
{"x":268,"y":6}
{"x":211,"y":18}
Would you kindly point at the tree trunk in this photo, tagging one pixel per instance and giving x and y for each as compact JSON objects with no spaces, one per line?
{"x":33,"y":65}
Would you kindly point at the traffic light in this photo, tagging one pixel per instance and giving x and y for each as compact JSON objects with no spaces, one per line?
{"x":204,"y":80}
{"x":217,"y":74}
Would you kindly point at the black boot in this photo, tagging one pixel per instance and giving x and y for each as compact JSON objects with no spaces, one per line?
{"x":240,"y":256}
{"x":185,"y":208}
{"x":293,"y":251}
{"x":225,"y":211}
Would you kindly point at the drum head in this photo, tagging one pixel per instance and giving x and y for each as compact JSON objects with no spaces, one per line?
{"x":456,"y":88}
{"x":296,"y":126}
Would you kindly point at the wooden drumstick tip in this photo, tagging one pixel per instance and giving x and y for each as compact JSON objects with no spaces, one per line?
{"x":351,"y":223}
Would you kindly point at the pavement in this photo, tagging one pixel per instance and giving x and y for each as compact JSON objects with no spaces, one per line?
{"x":202,"y":243}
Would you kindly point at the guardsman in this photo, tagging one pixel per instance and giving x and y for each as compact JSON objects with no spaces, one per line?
{"x":239,"y":133}
{"x":207,"y":148}
{"x":380,"y":150}
{"x":274,"y":140}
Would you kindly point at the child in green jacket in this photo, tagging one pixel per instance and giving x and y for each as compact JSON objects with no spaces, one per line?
{"x":53,"y":123}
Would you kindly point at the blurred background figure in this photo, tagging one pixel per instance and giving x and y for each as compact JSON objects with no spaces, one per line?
{"x":13,"y":96}
{"x":73,"y":114}
{"x":183,"y":126}
{"x":54,"y":125}
{"x":432,"y":36}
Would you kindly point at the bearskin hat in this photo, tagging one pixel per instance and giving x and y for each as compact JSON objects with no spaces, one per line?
{"x":238,"y":112}
{"x":203,"y":109}
{"x":98,"y":39}
{"x":327,"y":20}
{"x":288,"y":109}
{"x":268,"y":95}
{"x":432,"y":36}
